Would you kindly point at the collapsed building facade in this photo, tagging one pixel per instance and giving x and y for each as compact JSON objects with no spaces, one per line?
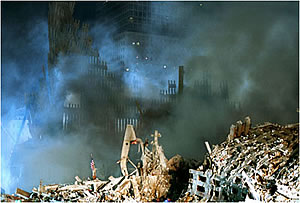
{"x":74,"y":62}
{"x":258,"y":163}
{"x":68,"y":39}
{"x":148,"y":181}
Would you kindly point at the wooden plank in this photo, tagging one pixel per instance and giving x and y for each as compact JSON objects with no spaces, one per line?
{"x":22,"y":193}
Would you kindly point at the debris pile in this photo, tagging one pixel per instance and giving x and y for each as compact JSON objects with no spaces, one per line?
{"x":148,"y":182}
{"x":255,"y":163}
{"x":259,"y":163}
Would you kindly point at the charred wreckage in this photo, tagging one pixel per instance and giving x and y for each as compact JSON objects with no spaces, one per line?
{"x":258,"y":163}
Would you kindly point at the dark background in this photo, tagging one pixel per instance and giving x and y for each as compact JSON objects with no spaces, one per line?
{"x":251,"y":45}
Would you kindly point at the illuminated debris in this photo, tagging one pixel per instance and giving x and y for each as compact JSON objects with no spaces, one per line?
{"x":23,"y":194}
{"x":149,"y":181}
{"x":255,"y":163}
{"x":259,"y":163}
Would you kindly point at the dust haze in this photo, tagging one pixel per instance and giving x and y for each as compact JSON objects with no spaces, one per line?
{"x":253,"y":46}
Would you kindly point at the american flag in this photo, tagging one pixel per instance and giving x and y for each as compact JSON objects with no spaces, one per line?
{"x":92,"y":165}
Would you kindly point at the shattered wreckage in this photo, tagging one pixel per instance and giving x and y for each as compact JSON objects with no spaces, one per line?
{"x":260,"y":163}
{"x":255,"y":163}
{"x":146,"y":183}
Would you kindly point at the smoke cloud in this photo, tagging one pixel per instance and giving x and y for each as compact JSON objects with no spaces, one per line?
{"x":253,"y":46}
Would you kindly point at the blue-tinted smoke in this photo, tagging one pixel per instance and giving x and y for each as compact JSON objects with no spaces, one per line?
{"x":245,"y":44}
{"x":22,"y":61}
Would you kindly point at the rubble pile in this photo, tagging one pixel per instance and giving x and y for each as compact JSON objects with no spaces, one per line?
{"x":259,"y":163}
{"x":148,"y":182}
{"x":255,"y":163}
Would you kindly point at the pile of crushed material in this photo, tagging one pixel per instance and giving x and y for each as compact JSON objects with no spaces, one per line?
{"x":255,"y":163}
{"x":150,"y":181}
{"x":259,"y":163}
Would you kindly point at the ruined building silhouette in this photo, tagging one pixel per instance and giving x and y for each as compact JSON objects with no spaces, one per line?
{"x":102,"y":101}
